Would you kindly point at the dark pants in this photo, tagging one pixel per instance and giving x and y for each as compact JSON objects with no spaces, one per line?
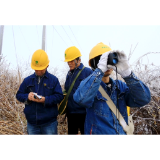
{"x":75,"y":122}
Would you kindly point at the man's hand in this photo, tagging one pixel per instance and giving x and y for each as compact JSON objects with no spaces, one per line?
{"x":31,"y":98}
{"x":102,"y":64}
{"x":42,"y":100}
{"x":123,"y":67}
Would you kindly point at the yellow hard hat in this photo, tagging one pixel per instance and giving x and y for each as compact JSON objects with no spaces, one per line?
{"x":72,"y":53}
{"x":39,"y":60}
{"x":97,"y":50}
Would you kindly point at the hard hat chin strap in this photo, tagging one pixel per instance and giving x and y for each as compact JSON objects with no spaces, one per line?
{"x":75,"y":63}
{"x":94,"y":63}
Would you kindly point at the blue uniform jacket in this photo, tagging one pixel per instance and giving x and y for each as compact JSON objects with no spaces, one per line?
{"x":99,"y":118}
{"x":72,"y":106}
{"x":49,"y":87}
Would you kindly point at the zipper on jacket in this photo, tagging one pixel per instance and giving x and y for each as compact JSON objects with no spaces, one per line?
{"x":37,"y":93}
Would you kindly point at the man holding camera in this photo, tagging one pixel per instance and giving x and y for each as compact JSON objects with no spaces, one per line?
{"x":134,"y":93}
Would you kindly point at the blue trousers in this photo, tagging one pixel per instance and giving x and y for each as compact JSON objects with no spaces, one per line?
{"x":49,"y":128}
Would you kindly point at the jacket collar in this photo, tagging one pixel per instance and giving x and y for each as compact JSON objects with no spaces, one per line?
{"x":81,"y":66}
{"x":33,"y":76}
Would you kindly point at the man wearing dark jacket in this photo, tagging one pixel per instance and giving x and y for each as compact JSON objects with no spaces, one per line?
{"x":75,"y":113}
{"x":41,"y":92}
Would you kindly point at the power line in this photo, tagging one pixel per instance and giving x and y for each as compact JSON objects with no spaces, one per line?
{"x":24,"y":39}
{"x":67,"y":34}
{"x":38,"y":36}
{"x":14,"y":44}
{"x":75,"y":37}
{"x":134,"y":48}
{"x":59,"y":35}
{"x":16,"y":56}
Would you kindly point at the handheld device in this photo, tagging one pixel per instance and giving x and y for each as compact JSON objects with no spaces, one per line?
{"x":112,"y":59}
{"x":37,"y":96}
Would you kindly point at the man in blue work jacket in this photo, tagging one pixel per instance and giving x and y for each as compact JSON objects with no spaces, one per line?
{"x":41,"y":92}
{"x":75,"y":113}
{"x":134,"y":93}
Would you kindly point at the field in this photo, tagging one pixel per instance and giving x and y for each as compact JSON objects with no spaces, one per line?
{"x":13,"y":122}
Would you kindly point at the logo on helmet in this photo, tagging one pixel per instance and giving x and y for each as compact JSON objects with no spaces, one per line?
{"x":36,"y":62}
{"x":65,"y":54}
{"x":105,"y":47}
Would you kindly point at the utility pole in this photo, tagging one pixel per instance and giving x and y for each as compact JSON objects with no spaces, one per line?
{"x":1,"y":40}
{"x":44,"y":37}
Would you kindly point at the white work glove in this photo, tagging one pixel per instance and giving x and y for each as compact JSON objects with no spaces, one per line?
{"x":102,"y":64}
{"x":123,"y":65}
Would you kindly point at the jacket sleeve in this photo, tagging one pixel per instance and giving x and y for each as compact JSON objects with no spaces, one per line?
{"x":88,"y":89}
{"x":22,"y":95}
{"x":137,"y":94}
{"x":56,"y":97}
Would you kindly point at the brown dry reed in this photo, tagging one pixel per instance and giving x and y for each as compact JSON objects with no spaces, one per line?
{"x":12,"y":119}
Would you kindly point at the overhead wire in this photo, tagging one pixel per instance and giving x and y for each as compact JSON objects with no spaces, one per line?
{"x":67,"y":34}
{"x":75,"y":38}
{"x":14,"y":44}
{"x":24,"y":39}
{"x":27,"y":45}
{"x":16,"y":56}
{"x":38,"y":36}
{"x":59,"y":35}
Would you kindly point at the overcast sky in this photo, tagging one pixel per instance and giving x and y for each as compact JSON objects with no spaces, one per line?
{"x":23,"y":40}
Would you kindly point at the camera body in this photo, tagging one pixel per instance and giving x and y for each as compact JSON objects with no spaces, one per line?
{"x":112,"y":59}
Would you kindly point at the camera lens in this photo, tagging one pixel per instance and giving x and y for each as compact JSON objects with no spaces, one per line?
{"x":112,"y":59}
{"x":115,"y":61}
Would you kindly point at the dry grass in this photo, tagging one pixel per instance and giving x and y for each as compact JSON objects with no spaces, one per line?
{"x":12,"y":118}
{"x":147,"y":118}
{"x":62,"y":125}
